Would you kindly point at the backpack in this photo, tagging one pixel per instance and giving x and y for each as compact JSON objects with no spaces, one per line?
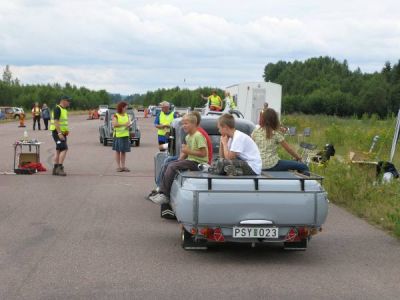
{"x":222,"y":166}
{"x":386,"y":167}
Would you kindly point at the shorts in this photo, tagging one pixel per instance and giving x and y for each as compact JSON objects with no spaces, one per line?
{"x":60,"y":145}
{"x":162,"y":139}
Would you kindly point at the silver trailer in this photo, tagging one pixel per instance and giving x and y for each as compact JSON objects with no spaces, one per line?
{"x":275,"y":207}
{"x":282,"y":207}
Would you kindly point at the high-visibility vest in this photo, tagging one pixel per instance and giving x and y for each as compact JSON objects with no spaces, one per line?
{"x":229,"y":99}
{"x":165,"y":120}
{"x":215,"y":100}
{"x":36,"y":111}
{"x":63,"y":121}
{"x":121,"y":131}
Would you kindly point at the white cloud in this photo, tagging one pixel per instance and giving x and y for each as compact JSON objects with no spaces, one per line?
{"x":127,"y":46}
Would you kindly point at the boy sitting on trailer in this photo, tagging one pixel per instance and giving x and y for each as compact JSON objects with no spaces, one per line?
{"x":239,"y":147}
{"x":193,"y":153}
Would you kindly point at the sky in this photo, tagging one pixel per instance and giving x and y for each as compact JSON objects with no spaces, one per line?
{"x":134,"y":46}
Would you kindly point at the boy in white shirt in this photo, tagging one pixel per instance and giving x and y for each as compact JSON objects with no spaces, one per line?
{"x":235,"y":144}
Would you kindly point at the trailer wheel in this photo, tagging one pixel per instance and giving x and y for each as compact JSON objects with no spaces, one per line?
{"x":101,"y":139}
{"x":105,"y":143}
{"x":188,"y":242}
{"x":137,"y":144}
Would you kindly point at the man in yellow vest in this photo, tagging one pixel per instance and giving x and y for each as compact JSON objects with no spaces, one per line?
{"x":60,"y":130}
{"x":162,"y":123}
{"x":36,"y":112}
{"x":214,"y":101}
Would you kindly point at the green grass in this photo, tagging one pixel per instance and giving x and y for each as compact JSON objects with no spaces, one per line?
{"x":355,"y":187}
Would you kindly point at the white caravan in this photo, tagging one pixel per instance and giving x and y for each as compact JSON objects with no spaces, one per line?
{"x":250,"y":98}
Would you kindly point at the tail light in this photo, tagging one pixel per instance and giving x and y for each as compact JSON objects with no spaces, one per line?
{"x":213,"y":234}
{"x":296,"y":234}
{"x":132,"y":134}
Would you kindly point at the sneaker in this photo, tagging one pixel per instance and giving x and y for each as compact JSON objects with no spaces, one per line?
{"x":60,"y":171}
{"x":152,"y":193}
{"x":159,"y":198}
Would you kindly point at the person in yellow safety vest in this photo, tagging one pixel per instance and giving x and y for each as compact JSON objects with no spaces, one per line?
{"x":162,"y":123}
{"x":214,"y":101}
{"x":121,"y":140}
{"x":36,"y":112}
{"x":59,"y":129}
{"x":229,"y":102}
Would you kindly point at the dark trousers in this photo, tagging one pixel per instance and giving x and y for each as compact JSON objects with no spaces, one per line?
{"x":171,"y":171}
{"x":46,"y":124}
{"x":286,"y":165}
{"x":36,"y":119}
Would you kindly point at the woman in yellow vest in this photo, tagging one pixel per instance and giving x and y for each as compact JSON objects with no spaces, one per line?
{"x":121,"y":141}
{"x":214,"y":101}
{"x":36,"y":112}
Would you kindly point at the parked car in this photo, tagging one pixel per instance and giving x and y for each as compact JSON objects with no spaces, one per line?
{"x":140,"y":108}
{"x":155,"y":110}
{"x":106,"y":131}
{"x":12,"y":112}
{"x":275,"y":207}
{"x":102,"y":110}
{"x":180,"y":111}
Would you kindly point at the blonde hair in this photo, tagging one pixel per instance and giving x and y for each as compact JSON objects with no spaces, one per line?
{"x":197,"y":115}
{"x":191,"y":118}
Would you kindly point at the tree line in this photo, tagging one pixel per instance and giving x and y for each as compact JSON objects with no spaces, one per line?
{"x":321,"y":85}
{"x":177,"y":96}
{"x":324,"y":85}
{"x":13,"y":93}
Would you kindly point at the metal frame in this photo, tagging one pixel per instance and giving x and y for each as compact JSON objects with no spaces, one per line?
{"x":21,"y":145}
{"x":266,"y":176}
{"x":210,"y":177}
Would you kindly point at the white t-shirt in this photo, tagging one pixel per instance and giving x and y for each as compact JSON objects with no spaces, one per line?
{"x":247,"y":150}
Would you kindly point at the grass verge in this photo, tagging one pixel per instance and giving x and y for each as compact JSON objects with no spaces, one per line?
{"x":355,"y":187}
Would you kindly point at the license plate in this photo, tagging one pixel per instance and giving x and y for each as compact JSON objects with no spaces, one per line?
{"x":256,"y":232}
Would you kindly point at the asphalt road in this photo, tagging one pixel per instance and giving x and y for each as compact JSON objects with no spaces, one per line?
{"x":92,"y":235}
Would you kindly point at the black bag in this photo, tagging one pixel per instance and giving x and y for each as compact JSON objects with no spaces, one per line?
{"x":386,"y":167}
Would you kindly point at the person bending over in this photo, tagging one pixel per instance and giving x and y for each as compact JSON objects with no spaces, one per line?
{"x":236,"y":145}
{"x":267,"y":138}
{"x":193,"y":153}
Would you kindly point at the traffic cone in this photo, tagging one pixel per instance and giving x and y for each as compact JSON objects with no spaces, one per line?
{"x":22,"y":120}
{"x":145,"y":112}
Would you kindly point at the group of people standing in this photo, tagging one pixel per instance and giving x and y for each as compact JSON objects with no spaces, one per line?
{"x":254,"y":154}
{"x":40,"y":113}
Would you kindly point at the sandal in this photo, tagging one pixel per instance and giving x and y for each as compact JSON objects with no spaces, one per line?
{"x":120,"y":170}
{"x":125,"y":170}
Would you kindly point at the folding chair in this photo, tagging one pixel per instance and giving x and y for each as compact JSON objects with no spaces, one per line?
{"x":292,"y":131}
{"x":307,"y":131}
{"x":308,"y":152}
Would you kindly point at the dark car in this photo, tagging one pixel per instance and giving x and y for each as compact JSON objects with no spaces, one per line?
{"x":106,"y":130}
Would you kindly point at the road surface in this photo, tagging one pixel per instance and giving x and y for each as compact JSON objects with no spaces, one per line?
{"x":93,"y":235}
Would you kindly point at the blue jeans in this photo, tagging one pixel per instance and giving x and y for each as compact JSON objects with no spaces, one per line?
{"x":286,"y":165}
{"x":164,"y":167}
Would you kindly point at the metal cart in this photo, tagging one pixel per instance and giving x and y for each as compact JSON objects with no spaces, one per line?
{"x":25,"y":152}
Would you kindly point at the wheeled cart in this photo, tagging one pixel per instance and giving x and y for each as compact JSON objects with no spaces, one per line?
{"x":26,"y":152}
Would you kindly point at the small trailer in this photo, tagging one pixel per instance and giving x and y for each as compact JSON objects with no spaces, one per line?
{"x":274,"y":207}
{"x":251,"y":97}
